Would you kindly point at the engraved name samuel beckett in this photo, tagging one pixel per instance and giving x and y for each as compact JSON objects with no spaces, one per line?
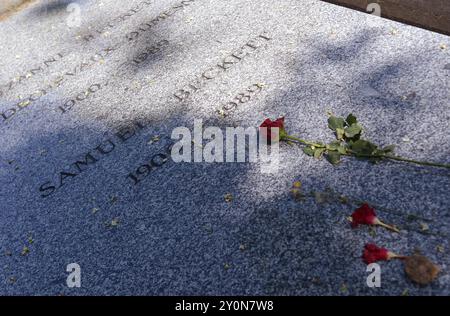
{"x":240,"y":144}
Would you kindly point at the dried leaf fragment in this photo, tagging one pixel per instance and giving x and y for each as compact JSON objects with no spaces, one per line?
{"x":115,"y":222}
{"x":228,"y":197}
{"x":420,"y":269}
{"x":321,"y":197}
{"x":424,"y":227}
{"x":25,"y":251}
{"x":154,"y":139}
{"x":113,"y":199}
{"x":296,"y":191}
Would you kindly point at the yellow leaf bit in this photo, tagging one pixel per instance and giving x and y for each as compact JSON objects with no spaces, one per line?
{"x":25,"y":251}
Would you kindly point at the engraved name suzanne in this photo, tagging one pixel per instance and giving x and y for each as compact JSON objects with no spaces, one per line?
{"x":48,"y":62}
{"x":22,"y":78}
{"x":95,"y":59}
{"x":58,"y":81}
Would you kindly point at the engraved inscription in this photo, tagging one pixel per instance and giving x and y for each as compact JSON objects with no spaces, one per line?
{"x":94,"y":88}
{"x":103,"y":149}
{"x":8,"y":114}
{"x":154,"y":162}
{"x":241,"y":98}
{"x":228,"y":62}
{"x":4,"y":88}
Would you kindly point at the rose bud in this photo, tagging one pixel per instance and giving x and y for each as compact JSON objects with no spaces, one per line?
{"x":270,"y":134}
{"x":372,"y":253}
{"x":365,"y":215}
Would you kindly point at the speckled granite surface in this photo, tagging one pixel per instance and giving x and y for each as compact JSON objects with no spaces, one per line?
{"x":107,"y":87}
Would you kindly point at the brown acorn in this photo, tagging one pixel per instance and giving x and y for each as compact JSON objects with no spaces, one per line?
{"x":420,"y":269}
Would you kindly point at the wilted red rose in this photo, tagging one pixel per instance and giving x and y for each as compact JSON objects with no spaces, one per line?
{"x":270,"y":135}
{"x":365,"y":215}
{"x":372,"y":253}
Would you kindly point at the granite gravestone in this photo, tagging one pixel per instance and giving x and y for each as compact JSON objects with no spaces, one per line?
{"x":87,"y":113}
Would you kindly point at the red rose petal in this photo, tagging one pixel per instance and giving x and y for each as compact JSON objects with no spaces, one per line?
{"x":365,"y":215}
{"x":372,"y":253}
{"x":269,"y":124}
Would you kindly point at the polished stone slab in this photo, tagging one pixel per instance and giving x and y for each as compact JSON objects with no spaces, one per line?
{"x":85,"y":106}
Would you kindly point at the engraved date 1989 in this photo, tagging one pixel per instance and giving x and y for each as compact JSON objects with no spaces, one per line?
{"x":240,"y":99}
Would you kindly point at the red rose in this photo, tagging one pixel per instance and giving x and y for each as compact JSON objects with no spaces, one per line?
{"x":270,"y":135}
{"x":365,"y":215}
{"x":372,"y":253}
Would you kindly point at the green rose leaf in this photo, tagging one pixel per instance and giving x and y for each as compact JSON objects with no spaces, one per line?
{"x":353,"y":130}
{"x":340,"y":132}
{"x":333,"y":145}
{"x":351,"y":119}
{"x":336,"y":122}
{"x":342,"y":150}
{"x":363,"y":147}
{"x":337,"y":146}
{"x":318,"y":152}
{"x":333,"y":157}
{"x":309,"y":151}
{"x":389,"y":149}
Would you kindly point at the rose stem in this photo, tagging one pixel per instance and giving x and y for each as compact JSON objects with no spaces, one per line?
{"x":398,"y":158}
{"x":304,"y":141}
{"x":380,"y":223}
{"x":425,"y":163}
